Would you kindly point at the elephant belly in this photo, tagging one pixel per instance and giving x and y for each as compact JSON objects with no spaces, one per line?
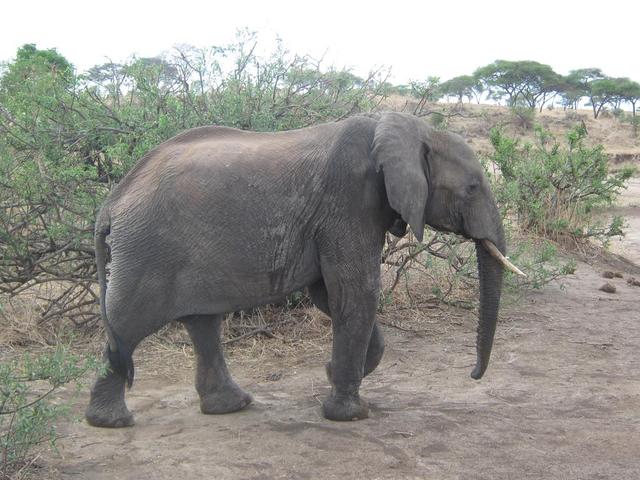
{"x":210,"y":280}
{"x":257,"y":277}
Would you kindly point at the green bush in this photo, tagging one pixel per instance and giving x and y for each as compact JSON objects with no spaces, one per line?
{"x":523,"y":116}
{"x":27,"y":411}
{"x":66,"y":138}
{"x":554,"y":190}
{"x":547,"y":189}
{"x":540,"y":259}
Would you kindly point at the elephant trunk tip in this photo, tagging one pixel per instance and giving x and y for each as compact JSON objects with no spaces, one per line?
{"x":478,"y":371}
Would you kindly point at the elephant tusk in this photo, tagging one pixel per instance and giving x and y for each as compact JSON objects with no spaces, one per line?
{"x":495,"y":253}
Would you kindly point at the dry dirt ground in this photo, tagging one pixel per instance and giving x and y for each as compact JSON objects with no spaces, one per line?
{"x":561,"y":399}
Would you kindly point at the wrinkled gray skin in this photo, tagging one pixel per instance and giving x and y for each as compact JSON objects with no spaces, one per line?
{"x":217,"y":220}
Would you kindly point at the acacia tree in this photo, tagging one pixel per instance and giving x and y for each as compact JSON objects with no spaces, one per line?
{"x":603,"y":92}
{"x":580,"y":83}
{"x":572,"y":91}
{"x":529,"y":82}
{"x":499,"y":80}
{"x":460,"y":87}
{"x":629,"y":91}
{"x":540,"y":83}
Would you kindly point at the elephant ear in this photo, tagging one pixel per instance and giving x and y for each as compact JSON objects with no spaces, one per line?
{"x":399,"y":150}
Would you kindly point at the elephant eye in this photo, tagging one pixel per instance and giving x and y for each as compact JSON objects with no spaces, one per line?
{"x":472,"y":188}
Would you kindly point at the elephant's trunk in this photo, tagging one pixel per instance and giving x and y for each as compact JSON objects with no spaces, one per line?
{"x":490,"y":274}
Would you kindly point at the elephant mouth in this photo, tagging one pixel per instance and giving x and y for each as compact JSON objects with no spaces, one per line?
{"x":445,"y":227}
{"x":488,"y":245}
{"x":500,"y":258}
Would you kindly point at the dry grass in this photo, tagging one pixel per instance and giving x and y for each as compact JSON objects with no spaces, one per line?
{"x":21,"y":326}
{"x":289,"y":335}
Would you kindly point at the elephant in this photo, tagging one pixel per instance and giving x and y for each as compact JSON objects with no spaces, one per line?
{"x":216,"y":220}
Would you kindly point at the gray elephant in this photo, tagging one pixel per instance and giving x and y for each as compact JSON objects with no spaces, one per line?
{"x":216,"y":220}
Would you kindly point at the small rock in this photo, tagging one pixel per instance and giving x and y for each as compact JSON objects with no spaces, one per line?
{"x":274,"y":377}
{"x":633,"y":281}
{"x":610,"y":274}
{"x":608,"y":288}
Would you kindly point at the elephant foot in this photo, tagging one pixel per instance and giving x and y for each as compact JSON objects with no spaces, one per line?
{"x":343,"y":408}
{"x":109,"y":418}
{"x":107,"y":407}
{"x":230,"y":399}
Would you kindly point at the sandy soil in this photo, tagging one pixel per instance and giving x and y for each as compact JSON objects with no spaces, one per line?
{"x":561,"y":399}
{"x":629,"y":246}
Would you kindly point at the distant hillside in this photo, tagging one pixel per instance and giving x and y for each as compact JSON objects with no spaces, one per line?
{"x":474,"y":122}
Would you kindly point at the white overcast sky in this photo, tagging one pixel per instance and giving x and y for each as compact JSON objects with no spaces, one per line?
{"x":415,"y":38}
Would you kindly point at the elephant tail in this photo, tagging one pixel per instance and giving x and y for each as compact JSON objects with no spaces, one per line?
{"x":119,"y":356}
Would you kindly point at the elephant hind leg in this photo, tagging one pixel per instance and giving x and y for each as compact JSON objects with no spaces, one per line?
{"x":217,"y":391}
{"x":107,"y":407}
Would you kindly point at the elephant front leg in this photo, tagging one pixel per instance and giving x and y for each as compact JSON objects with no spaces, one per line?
{"x":374,"y":353}
{"x":353,"y":322}
{"x":375,"y":350}
{"x":217,"y":390}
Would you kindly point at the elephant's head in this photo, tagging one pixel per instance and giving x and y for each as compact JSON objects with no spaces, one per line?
{"x":432,"y":177}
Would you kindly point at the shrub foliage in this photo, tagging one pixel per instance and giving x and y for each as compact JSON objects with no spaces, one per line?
{"x":66,"y":138}
{"x":554,"y":190}
{"x":27,"y":413}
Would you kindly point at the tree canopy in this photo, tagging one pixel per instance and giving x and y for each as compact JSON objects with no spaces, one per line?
{"x":461,"y":87}
{"x":527,"y":82}
{"x":532,"y":84}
